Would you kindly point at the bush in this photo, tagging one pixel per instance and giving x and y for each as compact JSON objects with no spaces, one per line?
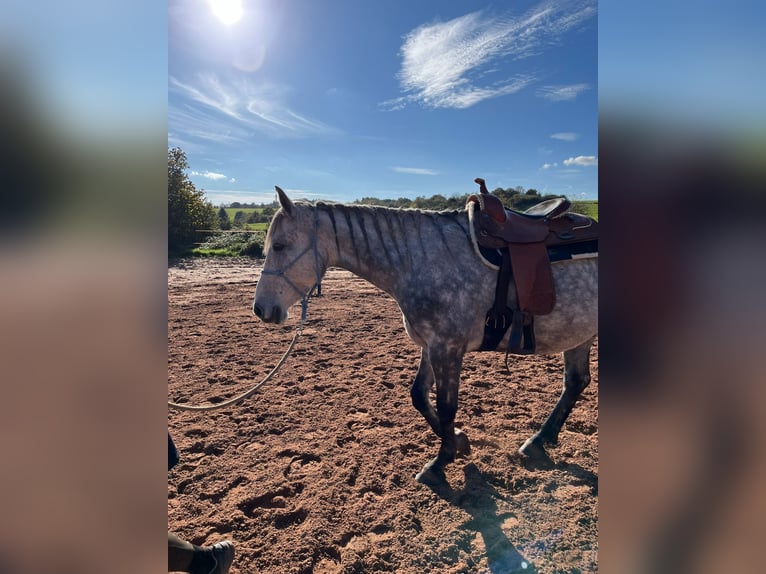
{"x":253,"y":247}
{"x":232,"y":244}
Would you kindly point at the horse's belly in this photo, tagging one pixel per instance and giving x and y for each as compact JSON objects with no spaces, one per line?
{"x":460,"y":318}
{"x":574,"y":318}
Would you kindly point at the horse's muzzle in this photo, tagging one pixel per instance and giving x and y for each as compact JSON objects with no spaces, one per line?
{"x":273,"y":315}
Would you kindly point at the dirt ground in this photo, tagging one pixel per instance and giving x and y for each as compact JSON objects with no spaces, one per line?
{"x":315,"y":472}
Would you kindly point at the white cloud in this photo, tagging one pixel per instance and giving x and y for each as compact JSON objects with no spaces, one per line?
{"x":565,"y":136}
{"x":230,"y":109}
{"x":188,"y":124}
{"x":550,"y":165}
{"x":415,"y":170}
{"x":232,"y":180}
{"x":209,"y":175}
{"x":442,"y":62}
{"x":583,"y":160}
{"x":562,"y":93}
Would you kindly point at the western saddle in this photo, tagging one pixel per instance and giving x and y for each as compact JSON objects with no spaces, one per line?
{"x":524,"y":239}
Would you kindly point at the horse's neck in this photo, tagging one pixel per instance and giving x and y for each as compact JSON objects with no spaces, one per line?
{"x":359,"y":244}
{"x":383,"y":246}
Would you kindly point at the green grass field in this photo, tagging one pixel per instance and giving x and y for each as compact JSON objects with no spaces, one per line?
{"x":589,"y":208}
{"x":232,"y":211}
{"x":218,"y":252}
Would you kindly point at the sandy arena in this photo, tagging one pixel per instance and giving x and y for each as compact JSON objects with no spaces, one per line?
{"x":315,"y":472}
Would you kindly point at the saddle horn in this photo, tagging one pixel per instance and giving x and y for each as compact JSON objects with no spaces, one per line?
{"x":482,"y":185}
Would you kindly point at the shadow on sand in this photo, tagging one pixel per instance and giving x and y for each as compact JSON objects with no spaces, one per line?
{"x":477,"y":498}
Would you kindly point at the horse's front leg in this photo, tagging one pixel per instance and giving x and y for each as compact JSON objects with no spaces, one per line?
{"x":421,"y":387}
{"x":419,"y":392}
{"x":576,"y":378}
{"x":445,"y":369}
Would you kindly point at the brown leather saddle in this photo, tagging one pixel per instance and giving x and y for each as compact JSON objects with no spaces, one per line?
{"x":525,"y":238}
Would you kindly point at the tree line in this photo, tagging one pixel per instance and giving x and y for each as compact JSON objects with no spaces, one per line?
{"x":260,"y":214}
{"x":189,"y":211}
{"x":515,"y":198}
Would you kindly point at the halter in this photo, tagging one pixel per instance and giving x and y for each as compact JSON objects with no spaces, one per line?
{"x":281,"y":272}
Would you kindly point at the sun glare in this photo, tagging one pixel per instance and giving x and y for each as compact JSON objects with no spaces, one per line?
{"x":227,"y":11}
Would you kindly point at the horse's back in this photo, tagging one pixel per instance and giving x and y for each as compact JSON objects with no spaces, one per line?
{"x":445,"y":296}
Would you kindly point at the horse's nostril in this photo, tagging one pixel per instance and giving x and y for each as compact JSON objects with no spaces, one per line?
{"x":257,"y":311}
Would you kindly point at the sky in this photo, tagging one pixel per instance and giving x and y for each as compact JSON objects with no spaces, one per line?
{"x":340,"y":99}
{"x":704,"y":66}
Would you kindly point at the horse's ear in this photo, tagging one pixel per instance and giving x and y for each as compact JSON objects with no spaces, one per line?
{"x":284,"y":201}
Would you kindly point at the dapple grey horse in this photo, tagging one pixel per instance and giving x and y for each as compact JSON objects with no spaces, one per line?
{"x":427,"y":262}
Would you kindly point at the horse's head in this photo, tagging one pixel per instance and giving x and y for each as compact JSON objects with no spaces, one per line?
{"x":292,"y":264}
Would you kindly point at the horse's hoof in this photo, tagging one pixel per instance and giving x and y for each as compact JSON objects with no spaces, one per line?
{"x":534,"y":449}
{"x":431,"y":475}
{"x":462,"y":444}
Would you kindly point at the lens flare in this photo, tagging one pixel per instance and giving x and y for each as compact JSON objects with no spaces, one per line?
{"x":227,"y":11}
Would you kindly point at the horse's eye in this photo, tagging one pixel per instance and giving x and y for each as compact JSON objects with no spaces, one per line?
{"x":278,"y":246}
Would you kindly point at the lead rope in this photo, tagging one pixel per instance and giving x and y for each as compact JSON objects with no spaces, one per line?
{"x":304,"y":310}
{"x":210,"y":407}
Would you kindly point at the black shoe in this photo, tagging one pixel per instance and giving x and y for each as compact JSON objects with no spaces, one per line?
{"x":223,"y":554}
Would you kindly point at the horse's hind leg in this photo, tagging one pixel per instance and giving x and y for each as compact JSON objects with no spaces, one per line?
{"x":576,"y":378}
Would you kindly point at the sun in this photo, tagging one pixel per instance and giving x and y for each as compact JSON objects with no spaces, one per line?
{"x":227,"y":11}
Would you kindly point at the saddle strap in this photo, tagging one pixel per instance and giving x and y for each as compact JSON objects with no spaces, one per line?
{"x":500,"y":317}
{"x":504,"y":276}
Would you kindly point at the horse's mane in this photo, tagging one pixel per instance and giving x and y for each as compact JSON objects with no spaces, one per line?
{"x":372,"y":209}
